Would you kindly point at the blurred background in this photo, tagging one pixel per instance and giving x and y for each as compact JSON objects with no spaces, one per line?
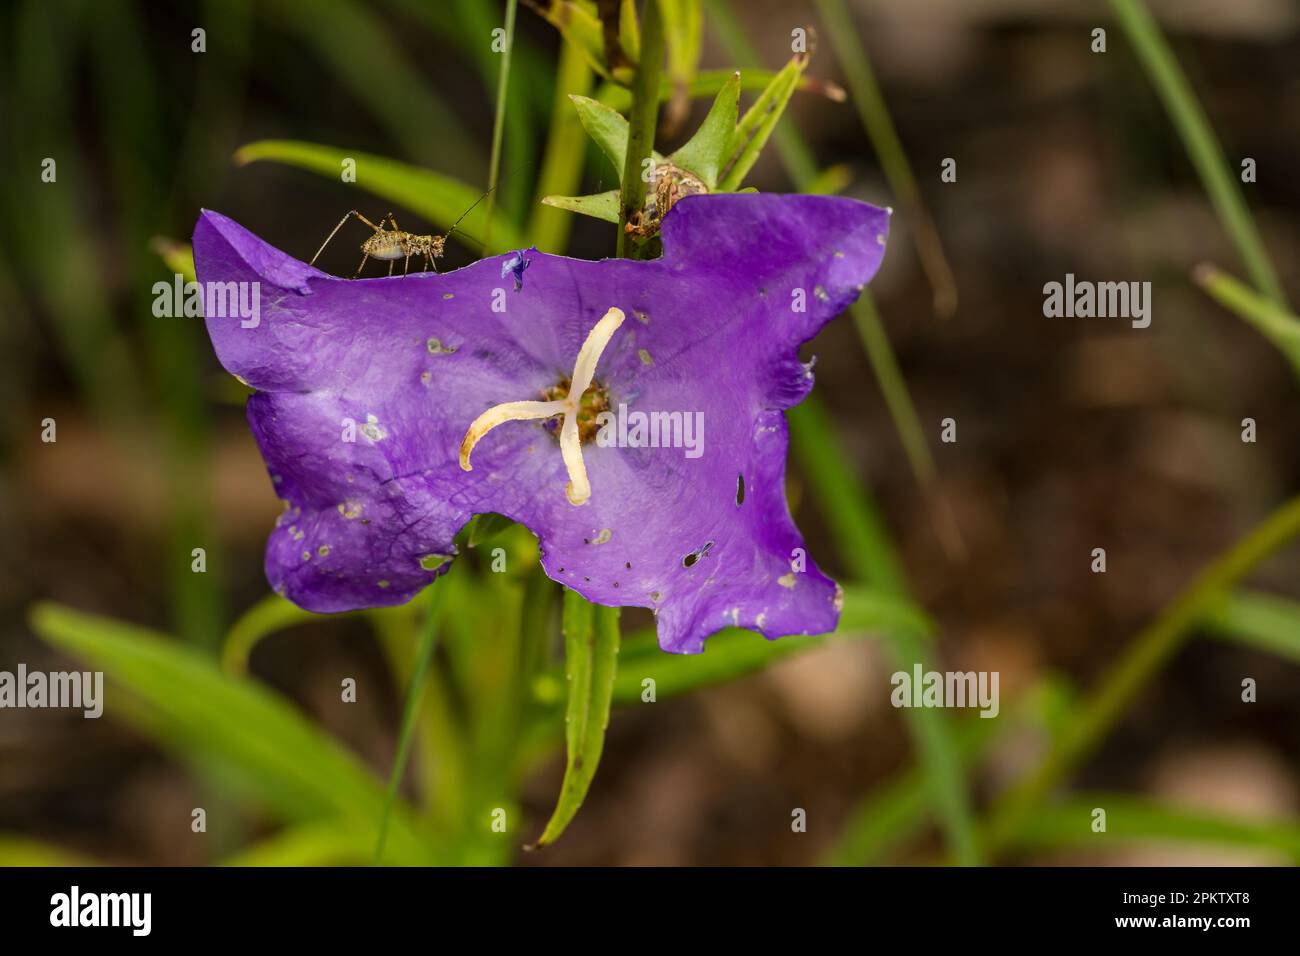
{"x":1072,"y":434}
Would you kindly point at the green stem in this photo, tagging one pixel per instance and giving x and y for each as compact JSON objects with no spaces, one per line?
{"x":499,"y":120}
{"x":801,"y":167}
{"x":1145,"y":655}
{"x":566,"y":150}
{"x":424,"y":657}
{"x":879,"y":126}
{"x":641,"y":122}
{"x":1198,"y":137}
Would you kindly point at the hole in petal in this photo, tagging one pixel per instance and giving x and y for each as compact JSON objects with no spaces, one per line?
{"x":740,"y":490}
{"x":691,"y":559}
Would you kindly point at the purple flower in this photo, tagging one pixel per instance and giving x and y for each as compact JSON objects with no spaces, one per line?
{"x":628,"y":413}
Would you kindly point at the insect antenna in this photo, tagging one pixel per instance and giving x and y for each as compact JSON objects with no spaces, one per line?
{"x":467,"y":212}
{"x":481,"y":198}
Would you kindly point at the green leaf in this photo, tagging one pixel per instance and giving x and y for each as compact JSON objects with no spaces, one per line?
{"x":735,"y":652}
{"x":756,"y":125}
{"x":591,"y":639}
{"x":183,"y":698}
{"x":705,"y":153}
{"x":606,"y":126}
{"x":1261,"y":621}
{"x":439,"y":199}
{"x":598,"y":206}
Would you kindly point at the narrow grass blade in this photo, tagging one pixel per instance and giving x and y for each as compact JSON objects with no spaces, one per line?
{"x":499,"y":118}
{"x":1198,"y":138}
{"x":879,"y":127}
{"x":683,"y":34}
{"x":564,"y":157}
{"x":898,"y":810}
{"x":859,"y":533}
{"x":591,"y":641}
{"x":801,"y":166}
{"x":439,"y":199}
{"x":1274,"y":322}
{"x":414,"y":693}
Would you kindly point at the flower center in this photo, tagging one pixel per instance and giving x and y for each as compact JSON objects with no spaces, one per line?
{"x":595,"y":400}
{"x":580,"y":404}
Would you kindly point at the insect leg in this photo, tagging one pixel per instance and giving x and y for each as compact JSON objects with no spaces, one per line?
{"x":362,"y":266}
{"x":391,"y":263}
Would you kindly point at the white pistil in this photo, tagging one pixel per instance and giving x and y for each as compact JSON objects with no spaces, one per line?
{"x":578,"y":488}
